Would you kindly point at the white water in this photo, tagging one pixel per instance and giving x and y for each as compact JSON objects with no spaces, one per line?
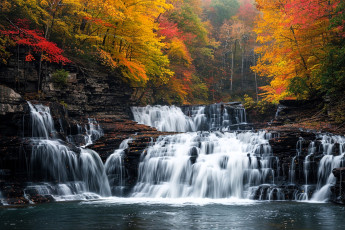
{"x":164,"y":118}
{"x":327,"y":164}
{"x":195,"y":165}
{"x":86,"y":135}
{"x":76,"y":172}
{"x":41,"y":121}
{"x":194,"y":118}
{"x":304,"y":194}
{"x":205,"y":165}
{"x":293,"y":163}
{"x":114,"y":168}
{"x":93,"y":131}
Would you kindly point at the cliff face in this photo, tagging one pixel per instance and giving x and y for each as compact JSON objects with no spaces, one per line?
{"x":87,"y":94}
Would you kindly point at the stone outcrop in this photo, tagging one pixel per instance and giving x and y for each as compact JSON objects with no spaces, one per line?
{"x":338,"y":190}
{"x":10,"y":101}
{"x":89,"y":93}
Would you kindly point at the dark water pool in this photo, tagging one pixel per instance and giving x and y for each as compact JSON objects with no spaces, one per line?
{"x":122,"y":213}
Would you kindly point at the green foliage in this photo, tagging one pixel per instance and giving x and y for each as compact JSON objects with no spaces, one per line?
{"x":4,"y":54}
{"x":332,"y":73}
{"x":223,"y":10}
{"x":337,"y":112}
{"x":260,"y":108}
{"x":59,"y":78}
{"x":64,"y":104}
{"x":299,"y":87}
{"x":199,"y":90}
{"x":249,"y":102}
{"x":190,"y":23}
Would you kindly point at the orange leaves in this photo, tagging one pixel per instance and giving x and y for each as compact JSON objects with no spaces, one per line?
{"x":29,"y":57}
{"x":294,"y":37}
{"x":100,"y":22}
{"x":177,"y":52}
{"x":106,"y":59}
{"x":306,"y":13}
{"x":132,"y":70}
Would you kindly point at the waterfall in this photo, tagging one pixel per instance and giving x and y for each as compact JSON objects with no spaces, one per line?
{"x":206,"y":161}
{"x":114,"y":168}
{"x":75,"y":171}
{"x":164,"y":118}
{"x":293,"y":161}
{"x":42,"y":123}
{"x":93,"y":172}
{"x":86,"y":135}
{"x":306,"y":188}
{"x":93,"y":131}
{"x":328,"y":162}
{"x":205,"y":164}
{"x":220,"y":116}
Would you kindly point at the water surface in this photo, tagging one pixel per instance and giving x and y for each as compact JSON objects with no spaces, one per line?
{"x":132,"y":213}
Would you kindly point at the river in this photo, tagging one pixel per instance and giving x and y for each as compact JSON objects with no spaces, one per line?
{"x":133,"y":213}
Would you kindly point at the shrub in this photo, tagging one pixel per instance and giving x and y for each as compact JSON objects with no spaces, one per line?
{"x":59,"y":78}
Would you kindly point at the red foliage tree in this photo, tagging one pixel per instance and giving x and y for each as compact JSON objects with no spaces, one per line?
{"x":21,"y":34}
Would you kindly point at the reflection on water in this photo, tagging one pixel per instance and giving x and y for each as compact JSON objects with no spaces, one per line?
{"x":125,"y":213}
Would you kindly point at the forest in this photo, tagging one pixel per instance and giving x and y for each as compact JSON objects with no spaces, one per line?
{"x":187,"y":51}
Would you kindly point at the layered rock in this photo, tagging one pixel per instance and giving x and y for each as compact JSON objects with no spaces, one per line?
{"x":338,"y":190}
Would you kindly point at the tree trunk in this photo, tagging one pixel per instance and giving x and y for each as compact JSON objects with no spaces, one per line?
{"x":242,"y":66}
{"x":232,"y":70}
{"x":256,"y":82}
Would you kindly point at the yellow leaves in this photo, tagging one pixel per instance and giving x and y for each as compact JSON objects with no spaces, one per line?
{"x":178,"y":52}
{"x":125,"y":32}
{"x":44,"y":3}
{"x":122,"y":32}
{"x":106,"y":59}
{"x":132,"y":70}
{"x":288,"y":50}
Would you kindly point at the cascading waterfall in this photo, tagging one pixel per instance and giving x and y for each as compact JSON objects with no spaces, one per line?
{"x":114,"y":168}
{"x":41,"y":121}
{"x":93,"y":131}
{"x":86,"y":135}
{"x":93,"y":172}
{"x":293,"y":163}
{"x":76,"y":172}
{"x":223,"y":117}
{"x":318,"y":189}
{"x":304,"y":195}
{"x":164,"y":118}
{"x":327,"y":163}
{"x":205,"y":164}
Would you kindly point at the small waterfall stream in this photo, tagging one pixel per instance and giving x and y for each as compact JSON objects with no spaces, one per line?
{"x":76,"y":172}
{"x":114,"y":168}
{"x":329,"y":161}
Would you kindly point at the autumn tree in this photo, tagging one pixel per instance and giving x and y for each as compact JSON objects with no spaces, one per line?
{"x":294,"y":35}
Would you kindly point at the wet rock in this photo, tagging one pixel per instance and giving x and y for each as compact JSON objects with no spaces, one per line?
{"x":193,"y":153}
{"x":339,"y":173}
